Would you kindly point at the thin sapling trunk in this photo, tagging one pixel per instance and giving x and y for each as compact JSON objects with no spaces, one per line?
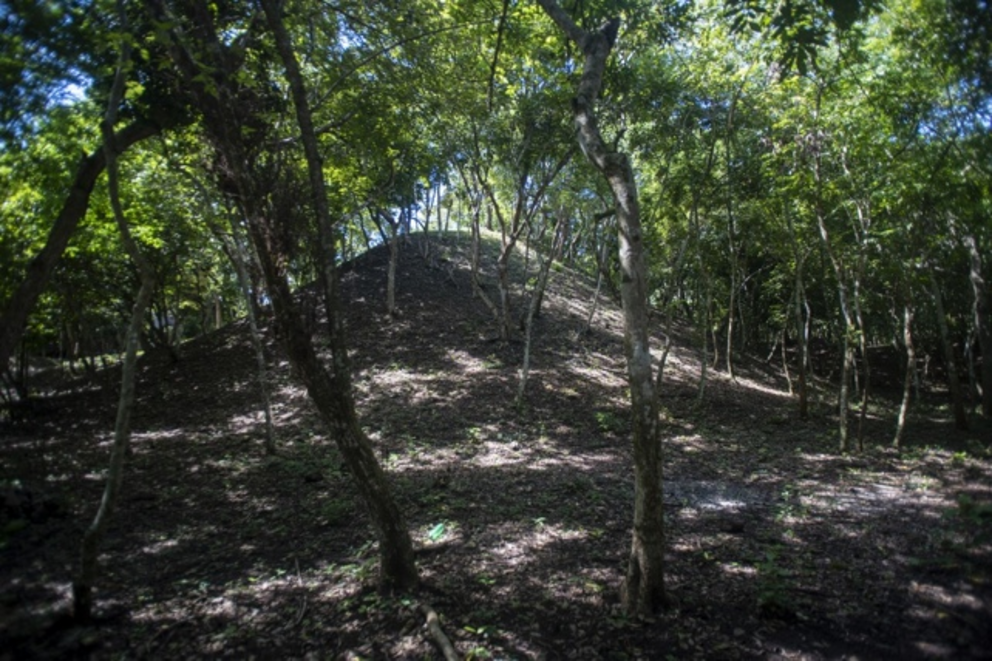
{"x":82,"y":588}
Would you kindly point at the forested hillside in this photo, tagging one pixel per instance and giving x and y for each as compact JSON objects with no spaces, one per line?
{"x":519,"y":515}
{"x":601,"y":329}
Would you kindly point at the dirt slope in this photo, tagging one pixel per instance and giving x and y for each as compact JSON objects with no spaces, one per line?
{"x":778,"y":547}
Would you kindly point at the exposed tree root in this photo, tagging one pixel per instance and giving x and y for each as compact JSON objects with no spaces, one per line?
{"x":434,"y":627}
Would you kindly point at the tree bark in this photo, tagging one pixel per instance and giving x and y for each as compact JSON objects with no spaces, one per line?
{"x":333,"y":393}
{"x":82,"y":587}
{"x":953,"y":381}
{"x":732,"y":245}
{"x":392,"y":239}
{"x":239,"y":257}
{"x":394,"y":258}
{"x":39,"y":271}
{"x":802,"y":330}
{"x":594,"y":304}
{"x":643,"y":589}
{"x":982,"y":321}
{"x":839,"y":273}
{"x":229,"y":108}
{"x":907,"y":338}
{"x":865,"y":363}
{"x":510,"y":231}
{"x":544,"y":274}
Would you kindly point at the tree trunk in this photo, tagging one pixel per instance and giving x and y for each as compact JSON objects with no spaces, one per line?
{"x":730,"y":328}
{"x":840,"y":274}
{"x":333,"y":394}
{"x":802,"y":330}
{"x":544,"y":273}
{"x":704,"y":327}
{"x":907,"y":338}
{"x":865,"y":365}
{"x":393,"y":240}
{"x":848,"y":330}
{"x":476,"y":249}
{"x":643,"y":590}
{"x":843,"y":398}
{"x":594,"y":306}
{"x":732,"y":241}
{"x":394,"y":257}
{"x":953,"y":381}
{"x":82,"y":587}
{"x":982,"y":321}
{"x":39,"y":271}
{"x":237,"y":252}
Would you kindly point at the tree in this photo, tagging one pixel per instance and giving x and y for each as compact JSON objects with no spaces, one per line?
{"x":82,"y":587}
{"x":396,"y":549}
{"x":644,"y":587}
{"x":234,"y":118}
{"x":39,"y":272}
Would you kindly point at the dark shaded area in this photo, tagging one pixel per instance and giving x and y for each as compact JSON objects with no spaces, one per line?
{"x":778,"y":548}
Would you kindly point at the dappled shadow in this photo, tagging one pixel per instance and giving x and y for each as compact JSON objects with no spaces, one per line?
{"x":521,"y":518}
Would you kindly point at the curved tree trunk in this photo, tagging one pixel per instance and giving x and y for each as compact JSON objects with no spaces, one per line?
{"x":82,"y":586}
{"x":865,"y":365}
{"x":704,"y":329}
{"x":594,"y":306}
{"x":39,"y":272}
{"x":544,"y":273}
{"x":333,"y":393}
{"x":643,"y":590}
{"x":392,"y":239}
{"x":227,"y":108}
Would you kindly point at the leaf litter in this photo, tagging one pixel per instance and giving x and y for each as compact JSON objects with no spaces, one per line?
{"x":777,"y":547}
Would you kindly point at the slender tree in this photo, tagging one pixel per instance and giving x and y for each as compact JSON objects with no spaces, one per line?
{"x":82,"y":587}
{"x":395,"y":546}
{"x":233,"y":118}
{"x":644,"y":586}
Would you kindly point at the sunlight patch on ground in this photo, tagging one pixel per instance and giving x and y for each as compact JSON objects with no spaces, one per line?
{"x":232,"y":466}
{"x":713,"y":494}
{"x":519,"y":546}
{"x":691,"y":443}
{"x":158,"y":435}
{"x":873,"y":495}
{"x":159,"y":546}
{"x":942,"y":597}
{"x":597,"y":374}
{"x":291,"y":392}
{"x":384,"y":377}
{"x":738,"y":569}
{"x":572,"y":461}
{"x":244,"y":423}
{"x":466,"y":361}
{"x":502,"y":454}
{"x":935,"y":650}
{"x":751,"y":384}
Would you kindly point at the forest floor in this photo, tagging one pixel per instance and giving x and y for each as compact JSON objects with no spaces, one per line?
{"x":778,"y":546}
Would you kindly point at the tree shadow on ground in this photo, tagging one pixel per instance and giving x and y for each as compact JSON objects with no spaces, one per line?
{"x":521,"y":518}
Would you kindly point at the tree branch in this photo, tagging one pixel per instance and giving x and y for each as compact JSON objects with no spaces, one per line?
{"x":565,"y":22}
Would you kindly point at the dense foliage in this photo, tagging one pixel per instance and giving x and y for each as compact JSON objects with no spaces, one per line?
{"x":813,"y":176}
